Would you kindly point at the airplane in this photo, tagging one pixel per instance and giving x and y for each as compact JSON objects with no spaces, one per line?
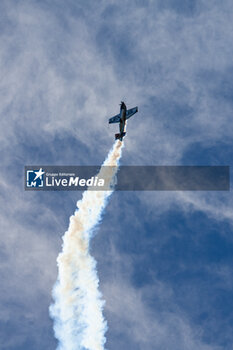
{"x":121,"y":118}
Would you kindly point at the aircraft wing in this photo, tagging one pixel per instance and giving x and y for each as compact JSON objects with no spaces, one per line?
{"x":131,"y":112}
{"x":115,"y":119}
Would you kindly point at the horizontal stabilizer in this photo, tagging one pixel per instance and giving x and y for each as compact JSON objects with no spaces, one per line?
{"x":120,"y":136}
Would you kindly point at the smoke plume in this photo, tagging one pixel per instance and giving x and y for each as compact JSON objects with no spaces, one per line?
{"x":77,"y":309}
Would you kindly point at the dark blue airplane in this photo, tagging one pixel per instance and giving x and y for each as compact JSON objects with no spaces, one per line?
{"x":121,"y":118}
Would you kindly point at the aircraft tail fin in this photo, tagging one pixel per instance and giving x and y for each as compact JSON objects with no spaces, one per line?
{"x":120,"y":136}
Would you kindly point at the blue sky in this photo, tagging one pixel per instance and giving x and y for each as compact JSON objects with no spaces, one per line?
{"x":164,"y":258}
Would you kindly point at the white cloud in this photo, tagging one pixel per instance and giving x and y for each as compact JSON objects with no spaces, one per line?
{"x":58,"y":78}
{"x":131,"y":312}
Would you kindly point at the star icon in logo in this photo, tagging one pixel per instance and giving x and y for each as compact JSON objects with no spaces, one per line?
{"x":39,"y":173}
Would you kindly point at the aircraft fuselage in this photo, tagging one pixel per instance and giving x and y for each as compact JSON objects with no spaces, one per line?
{"x":122,"y":118}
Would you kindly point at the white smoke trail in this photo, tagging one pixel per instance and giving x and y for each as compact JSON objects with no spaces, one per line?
{"x":77,"y":310}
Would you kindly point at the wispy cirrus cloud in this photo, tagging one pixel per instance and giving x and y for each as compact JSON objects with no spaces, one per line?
{"x":64,"y":68}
